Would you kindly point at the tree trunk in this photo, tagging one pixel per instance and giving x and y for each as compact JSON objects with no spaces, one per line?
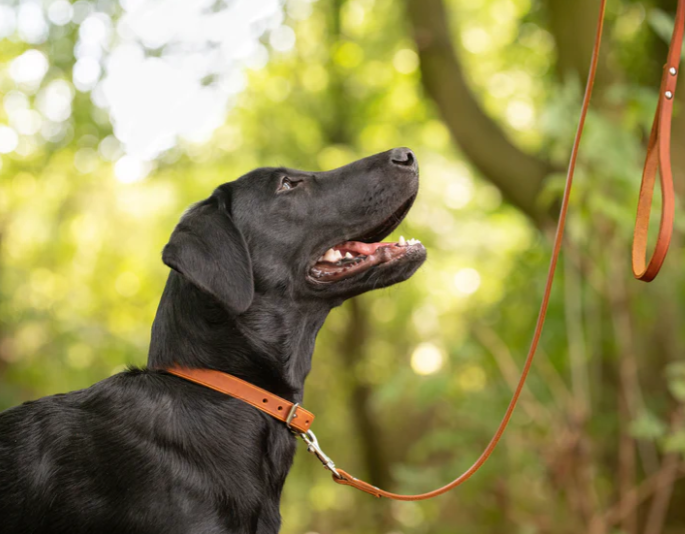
{"x":519,"y":176}
{"x":368,"y":428}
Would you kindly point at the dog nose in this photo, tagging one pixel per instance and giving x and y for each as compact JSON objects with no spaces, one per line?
{"x":403,"y":157}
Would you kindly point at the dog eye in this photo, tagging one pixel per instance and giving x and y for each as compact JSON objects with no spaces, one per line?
{"x":287,"y":184}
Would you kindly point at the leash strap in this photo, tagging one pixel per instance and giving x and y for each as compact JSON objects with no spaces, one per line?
{"x":658,"y":154}
{"x":659,"y":159}
{"x":299,"y":420}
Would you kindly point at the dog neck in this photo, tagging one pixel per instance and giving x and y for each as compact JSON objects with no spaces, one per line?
{"x":270,"y":345}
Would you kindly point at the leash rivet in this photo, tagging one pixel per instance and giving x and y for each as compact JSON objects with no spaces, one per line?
{"x":668,"y":95}
{"x":673,"y":71}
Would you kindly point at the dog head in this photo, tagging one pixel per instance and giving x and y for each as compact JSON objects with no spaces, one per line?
{"x":301,"y":234}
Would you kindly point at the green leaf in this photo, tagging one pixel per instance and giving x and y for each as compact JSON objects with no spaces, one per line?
{"x":647,"y":426}
{"x":662,"y":24}
{"x":675,"y":442}
{"x":675,"y":374}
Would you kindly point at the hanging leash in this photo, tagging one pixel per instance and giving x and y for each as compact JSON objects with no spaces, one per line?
{"x":658,"y":158}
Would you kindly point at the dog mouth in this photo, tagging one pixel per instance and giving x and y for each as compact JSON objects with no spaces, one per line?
{"x":353,"y":257}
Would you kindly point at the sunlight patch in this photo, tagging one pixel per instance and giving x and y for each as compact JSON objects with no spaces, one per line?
{"x":427,"y":359}
{"x":467,"y":281}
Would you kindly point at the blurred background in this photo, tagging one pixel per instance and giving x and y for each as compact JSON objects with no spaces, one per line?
{"x":116,"y":116}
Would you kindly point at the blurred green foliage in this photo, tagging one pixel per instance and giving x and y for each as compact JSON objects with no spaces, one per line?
{"x":81,"y":275}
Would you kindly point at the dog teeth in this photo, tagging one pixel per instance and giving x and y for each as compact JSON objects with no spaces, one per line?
{"x":348,"y":256}
{"x":407,"y":243}
{"x":332,"y":255}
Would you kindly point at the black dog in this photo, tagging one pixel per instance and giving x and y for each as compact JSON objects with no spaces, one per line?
{"x":254,"y":276}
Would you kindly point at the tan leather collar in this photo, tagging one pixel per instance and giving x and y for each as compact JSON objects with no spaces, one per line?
{"x":292,"y":414}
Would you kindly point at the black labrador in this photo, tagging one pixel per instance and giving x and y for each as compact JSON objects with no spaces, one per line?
{"x":256,"y":268}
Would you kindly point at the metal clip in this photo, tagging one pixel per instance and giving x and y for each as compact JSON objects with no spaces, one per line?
{"x":313,"y":446}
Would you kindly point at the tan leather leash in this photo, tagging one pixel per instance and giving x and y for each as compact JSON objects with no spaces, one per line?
{"x":349,"y":480}
{"x":658,"y":157}
{"x":659,"y":145}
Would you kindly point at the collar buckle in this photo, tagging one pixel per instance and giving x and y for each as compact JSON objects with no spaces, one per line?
{"x":292,"y":414}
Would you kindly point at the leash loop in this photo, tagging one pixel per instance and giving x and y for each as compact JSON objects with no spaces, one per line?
{"x":659,"y":159}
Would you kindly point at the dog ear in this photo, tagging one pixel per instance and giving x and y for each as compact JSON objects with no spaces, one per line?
{"x":210,"y":251}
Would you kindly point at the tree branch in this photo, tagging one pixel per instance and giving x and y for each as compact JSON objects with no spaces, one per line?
{"x":519,"y":176}
{"x":666,"y":478}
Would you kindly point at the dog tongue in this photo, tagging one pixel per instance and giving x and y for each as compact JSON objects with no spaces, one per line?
{"x":360,"y":248}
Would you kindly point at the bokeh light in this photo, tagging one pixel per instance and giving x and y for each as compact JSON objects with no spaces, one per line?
{"x":29,"y":68}
{"x":467,"y":280}
{"x":31,"y":23}
{"x":8,"y":139}
{"x":130,"y":169}
{"x":60,"y":12}
{"x":8,"y":21}
{"x":54,"y":101}
{"x":427,"y":359}
{"x":405,"y":61}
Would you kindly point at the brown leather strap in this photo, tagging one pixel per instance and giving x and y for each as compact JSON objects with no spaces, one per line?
{"x":349,"y":480}
{"x":269,"y":403}
{"x":659,"y":158}
{"x":660,"y":138}
{"x":658,"y":155}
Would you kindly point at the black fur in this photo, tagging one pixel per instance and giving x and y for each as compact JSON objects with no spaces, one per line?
{"x":148,"y":452}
